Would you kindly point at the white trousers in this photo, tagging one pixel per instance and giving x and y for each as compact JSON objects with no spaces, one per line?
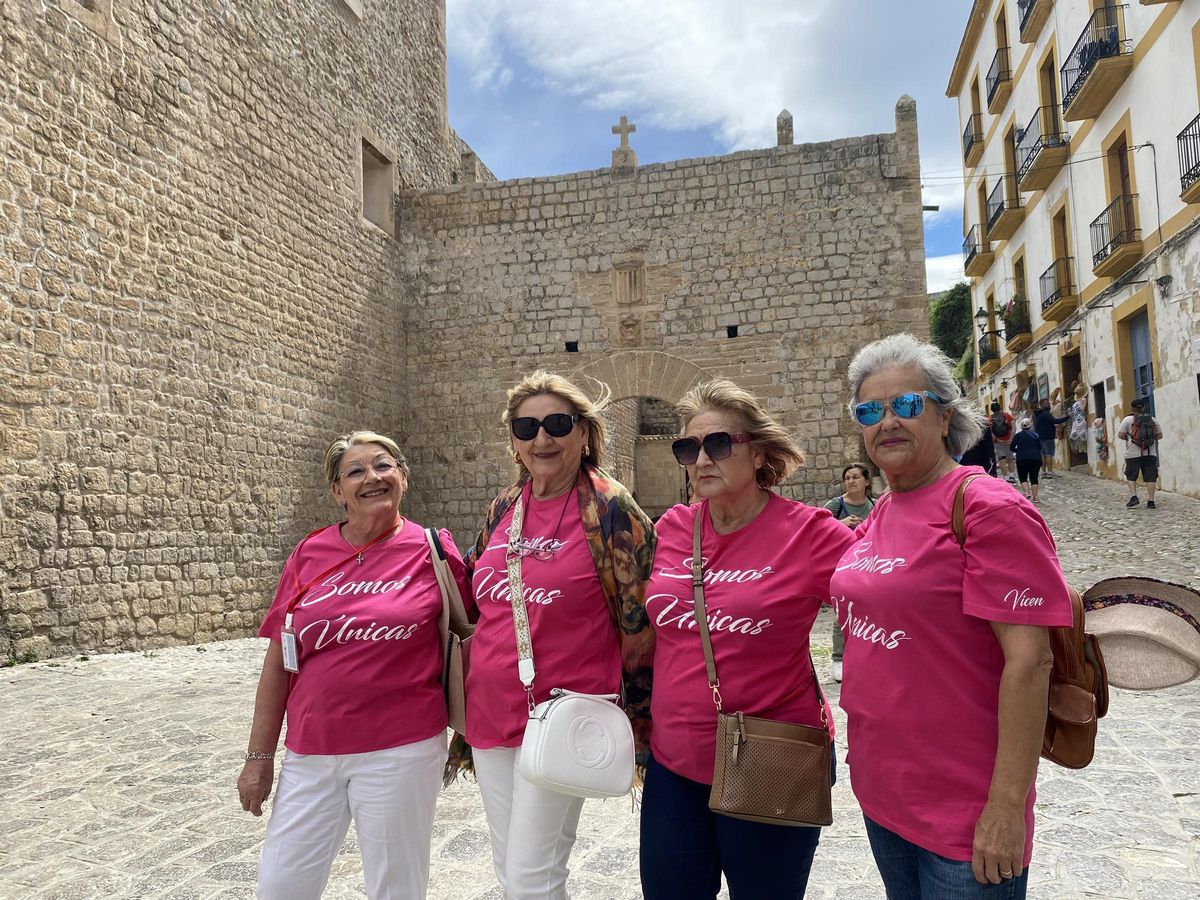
{"x":533,"y":830}
{"x":390,"y":794}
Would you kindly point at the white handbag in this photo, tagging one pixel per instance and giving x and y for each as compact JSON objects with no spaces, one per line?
{"x":575,"y":744}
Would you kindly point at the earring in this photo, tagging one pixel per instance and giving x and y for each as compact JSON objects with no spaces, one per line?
{"x":512,"y":451}
{"x":586,"y":448}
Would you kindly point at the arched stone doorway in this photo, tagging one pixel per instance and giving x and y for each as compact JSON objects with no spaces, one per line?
{"x":642,"y":420}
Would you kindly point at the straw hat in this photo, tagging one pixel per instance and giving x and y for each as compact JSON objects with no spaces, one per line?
{"x":1080,"y":392}
{"x":1149,"y":631}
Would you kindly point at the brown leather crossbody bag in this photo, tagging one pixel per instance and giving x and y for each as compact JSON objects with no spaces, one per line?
{"x":765,"y":770}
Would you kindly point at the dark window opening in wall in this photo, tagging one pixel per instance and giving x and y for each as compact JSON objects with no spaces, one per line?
{"x":377,"y":180}
{"x":572,"y":346}
{"x":731,"y":331}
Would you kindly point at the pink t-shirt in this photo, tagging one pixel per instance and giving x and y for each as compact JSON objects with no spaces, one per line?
{"x":922,"y":664}
{"x":370,"y":649}
{"x":763,"y":587}
{"x":571,"y":629}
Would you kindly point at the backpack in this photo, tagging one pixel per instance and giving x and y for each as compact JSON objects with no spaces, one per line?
{"x":1078,"y":696}
{"x":1142,"y":432}
{"x":1000,"y":425}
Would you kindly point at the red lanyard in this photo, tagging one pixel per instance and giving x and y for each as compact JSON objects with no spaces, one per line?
{"x":301,"y":591}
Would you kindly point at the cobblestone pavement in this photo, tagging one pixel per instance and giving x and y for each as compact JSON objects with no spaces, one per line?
{"x":117,"y":772}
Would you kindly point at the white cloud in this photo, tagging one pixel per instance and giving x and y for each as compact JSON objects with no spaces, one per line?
{"x":941,"y":272}
{"x":677,"y":64}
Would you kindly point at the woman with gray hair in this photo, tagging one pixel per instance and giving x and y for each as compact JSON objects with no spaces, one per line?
{"x":947,"y":657}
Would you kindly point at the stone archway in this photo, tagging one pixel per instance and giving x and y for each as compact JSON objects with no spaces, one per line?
{"x":643,"y":373}
{"x":645,"y":385}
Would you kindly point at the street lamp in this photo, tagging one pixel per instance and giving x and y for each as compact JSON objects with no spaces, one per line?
{"x":981,"y":318}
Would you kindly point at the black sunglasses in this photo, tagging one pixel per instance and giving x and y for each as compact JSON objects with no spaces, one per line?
{"x":525,"y":428}
{"x":717,"y":445}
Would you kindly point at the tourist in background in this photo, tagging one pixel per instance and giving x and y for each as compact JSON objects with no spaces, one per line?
{"x":1141,"y":432}
{"x":1029,"y":450}
{"x":947,"y":645}
{"x":767,"y":562}
{"x":1044,"y":423}
{"x":584,"y":549}
{"x":366,"y":714}
{"x":1000,"y":423}
{"x":851,"y":508}
{"x":982,"y":453}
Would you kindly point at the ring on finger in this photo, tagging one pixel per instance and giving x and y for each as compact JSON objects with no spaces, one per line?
{"x":1004,"y":874}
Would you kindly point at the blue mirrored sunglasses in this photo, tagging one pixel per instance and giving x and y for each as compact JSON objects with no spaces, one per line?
{"x":906,"y":406}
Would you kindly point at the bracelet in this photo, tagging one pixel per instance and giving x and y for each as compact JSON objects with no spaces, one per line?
{"x":259,"y":754}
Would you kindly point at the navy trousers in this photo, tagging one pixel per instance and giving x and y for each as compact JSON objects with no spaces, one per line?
{"x":685,"y":847}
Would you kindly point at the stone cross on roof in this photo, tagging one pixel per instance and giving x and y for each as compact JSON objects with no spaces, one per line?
{"x":624,"y":130}
{"x":624,"y":159}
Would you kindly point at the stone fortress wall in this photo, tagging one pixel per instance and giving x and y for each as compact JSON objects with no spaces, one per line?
{"x":200,"y":285}
{"x":809,"y":251}
{"x":192,"y":302}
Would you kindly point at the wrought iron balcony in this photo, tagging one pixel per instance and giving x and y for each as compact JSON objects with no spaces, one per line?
{"x":973,"y":139}
{"x":1041,"y":150}
{"x":999,"y":81}
{"x":977,"y":253}
{"x":1003,"y":209}
{"x":1116,"y":239}
{"x":1032,"y":16}
{"x":1057,"y":288}
{"x":1097,"y":65}
{"x":1189,"y":162}
{"x":989,"y":354}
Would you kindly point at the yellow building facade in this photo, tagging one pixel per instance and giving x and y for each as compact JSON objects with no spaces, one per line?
{"x":1081,"y":163}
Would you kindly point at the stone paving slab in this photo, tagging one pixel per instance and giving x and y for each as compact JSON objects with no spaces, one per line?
{"x":117,"y":772}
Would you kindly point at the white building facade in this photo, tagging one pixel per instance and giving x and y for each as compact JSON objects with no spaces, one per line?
{"x":1081,"y":160}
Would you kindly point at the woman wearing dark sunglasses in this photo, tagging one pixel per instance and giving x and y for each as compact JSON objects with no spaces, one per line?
{"x":947,"y":644}
{"x":767,"y":562}
{"x":584,"y":552}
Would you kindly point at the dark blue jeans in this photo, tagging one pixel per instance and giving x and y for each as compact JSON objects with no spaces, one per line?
{"x":685,"y":847}
{"x":910,"y":872}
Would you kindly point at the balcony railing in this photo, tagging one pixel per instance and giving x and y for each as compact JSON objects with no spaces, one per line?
{"x":1045,"y":130}
{"x":1024,"y":8}
{"x":1057,"y":282}
{"x":973,"y":134}
{"x":1116,"y":226}
{"x":1004,"y":196}
{"x":999,"y":73}
{"x":988,"y":350}
{"x":972,"y":245}
{"x":1103,"y":37}
{"x":1015,"y":330}
{"x":1189,"y":155}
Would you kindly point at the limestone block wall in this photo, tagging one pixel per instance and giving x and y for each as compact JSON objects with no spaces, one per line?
{"x":192,"y":304}
{"x":809,"y":251}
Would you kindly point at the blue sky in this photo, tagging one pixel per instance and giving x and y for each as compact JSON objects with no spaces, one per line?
{"x":535,"y":85}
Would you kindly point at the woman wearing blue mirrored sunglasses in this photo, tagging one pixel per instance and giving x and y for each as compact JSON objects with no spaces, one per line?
{"x":945,"y":668}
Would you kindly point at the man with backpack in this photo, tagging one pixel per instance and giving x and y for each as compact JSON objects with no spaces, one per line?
{"x":1141,"y":433}
{"x":1000,"y":424}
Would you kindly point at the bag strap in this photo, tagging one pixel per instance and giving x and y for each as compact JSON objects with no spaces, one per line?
{"x":958,"y":520}
{"x":453,"y":611}
{"x":841,"y":506}
{"x":516,"y":596}
{"x":701,"y":614}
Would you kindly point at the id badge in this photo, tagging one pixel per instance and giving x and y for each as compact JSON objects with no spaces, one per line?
{"x":291,"y":655}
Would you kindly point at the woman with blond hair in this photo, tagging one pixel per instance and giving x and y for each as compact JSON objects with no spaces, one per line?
{"x":583,"y":551}
{"x":767,"y":562}
{"x":354,"y":661}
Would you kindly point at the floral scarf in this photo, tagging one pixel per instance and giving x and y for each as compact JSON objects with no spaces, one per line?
{"x":621,"y":538}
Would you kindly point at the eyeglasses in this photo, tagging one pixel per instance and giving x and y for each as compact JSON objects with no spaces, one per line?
{"x":382,"y":469}
{"x":906,"y":406}
{"x":539,"y":553}
{"x":718,"y":445}
{"x":525,"y":428}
